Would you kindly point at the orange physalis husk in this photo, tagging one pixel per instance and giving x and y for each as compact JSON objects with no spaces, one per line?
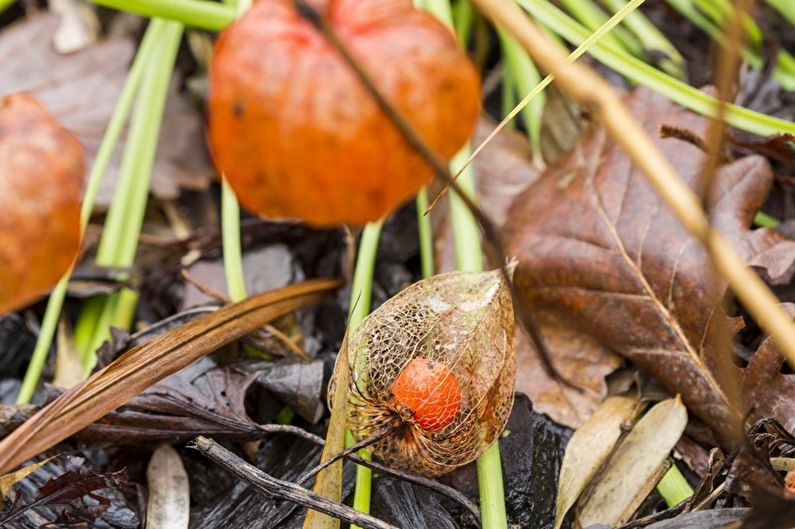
{"x":435,"y":362}
{"x":41,"y":185}
{"x":295,"y":132}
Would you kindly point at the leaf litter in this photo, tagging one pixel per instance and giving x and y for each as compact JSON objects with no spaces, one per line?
{"x":586,"y":357}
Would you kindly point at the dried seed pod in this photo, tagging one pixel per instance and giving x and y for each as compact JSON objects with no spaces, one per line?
{"x":437,"y":362}
{"x":41,"y":183}
{"x":296,"y":133}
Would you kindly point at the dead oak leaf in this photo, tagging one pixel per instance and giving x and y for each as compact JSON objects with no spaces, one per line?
{"x":82,"y":89}
{"x":601,"y":254}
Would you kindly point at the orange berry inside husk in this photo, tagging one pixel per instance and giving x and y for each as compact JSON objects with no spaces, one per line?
{"x":430,"y":391}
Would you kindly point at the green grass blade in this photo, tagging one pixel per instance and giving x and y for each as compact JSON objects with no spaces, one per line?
{"x":119,"y":241}
{"x":195,"y":13}
{"x":592,"y":17}
{"x":651,"y":38}
{"x":644,"y":74}
{"x":425,"y":234}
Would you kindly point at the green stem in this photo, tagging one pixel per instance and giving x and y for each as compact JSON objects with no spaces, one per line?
{"x":785,"y":7}
{"x":591,"y":16}
{"x":640,"y":72}
{"x":5,"y":4}
{"x":425,"y":233}
{"x":763,"y":220}
{"x":230,"y":233}
{"x":361,"y":298}
{"x":673,"y":487}
{"x":652,"y":39}
{"x":109,"y":141}
{"x":523,"y":75}
{"x":119,"y":241}
{"x":206,"y":15}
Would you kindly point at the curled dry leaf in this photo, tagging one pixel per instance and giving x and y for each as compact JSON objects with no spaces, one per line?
{"x":600,"y":253}
{"x":437,"y":362}
{"x":168,"y":506}
{"x":296,"y":133}
{"x":635,"y":467}
{"x":41,"y":184}
{"x":589,"y":448}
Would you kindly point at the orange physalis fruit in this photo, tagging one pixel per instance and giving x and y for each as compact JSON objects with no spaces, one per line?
{"x":296,"y":133}
{"x":435,"y":367}
{"x":430,"y":391}
{"x":41,"y":184}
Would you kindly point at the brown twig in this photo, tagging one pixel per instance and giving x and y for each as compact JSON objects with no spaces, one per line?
{"x":422,"y":481}
{"x":283,"y":490}
{"x":495,"y":250}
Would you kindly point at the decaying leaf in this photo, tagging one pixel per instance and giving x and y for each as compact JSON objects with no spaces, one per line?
{"x":41,"y":185}
{"x":502,"y":171}
{"x":636,"y":467}
{"x":145,"y":364}
{"x":76,"y":495}
{"x":168,"y":506}
{"x":8,"y":480}
{"x":437,"y":360}
{"x":589,"y":448}
{"x":599,"y":252}
{"x":713,"y":519}
{"x":82,"y":89}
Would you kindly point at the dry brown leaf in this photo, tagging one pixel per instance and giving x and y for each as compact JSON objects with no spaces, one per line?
{"x":637,"y":465}
{"x":68,"y":366}
{"x":600,"y":253}
{"x":9,"y":480}
{"x":589,"y":449}
{"x":502,"y":171}
{"x":82,"y":89}
{"x":142,"y":366}
{"x":41,"y":183}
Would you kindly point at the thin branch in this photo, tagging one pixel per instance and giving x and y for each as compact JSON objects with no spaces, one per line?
{"x":283,"y":490}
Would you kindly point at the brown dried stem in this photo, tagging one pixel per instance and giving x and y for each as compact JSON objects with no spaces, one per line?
{"x":597,"y":96}
{"x":283,"y":490}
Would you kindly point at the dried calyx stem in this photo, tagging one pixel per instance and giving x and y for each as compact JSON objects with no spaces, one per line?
{"x":283,"y":490}
{"x":364,"y":443}
{"x":494,"y":247}
{"x":596,"y":95}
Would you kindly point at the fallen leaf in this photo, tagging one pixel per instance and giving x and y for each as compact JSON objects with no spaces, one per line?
{"x":82,"y":89}
{"x":142,"y":366}
{"x":41,"y":177}
{"x":502,"y":171}
{"x":635,"y":467}
{"x":600,"y":253}
{"x":168,"y":506}
{"x":712,"y":519}
{"x":589,"y":448}
{"x":75,"y":494}
{"x":9,"y":480}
